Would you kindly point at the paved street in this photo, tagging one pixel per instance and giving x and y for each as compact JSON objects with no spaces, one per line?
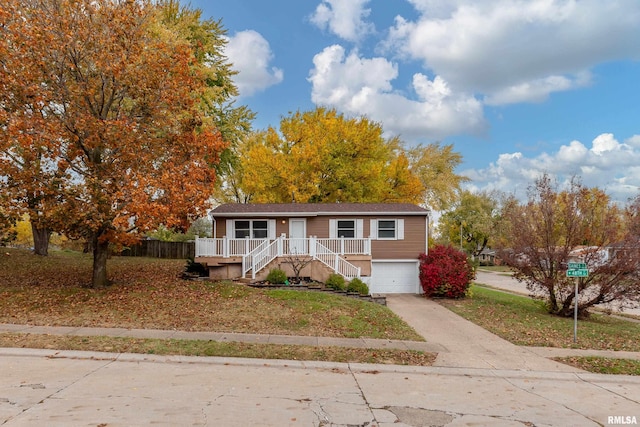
{"x":52,"y":388}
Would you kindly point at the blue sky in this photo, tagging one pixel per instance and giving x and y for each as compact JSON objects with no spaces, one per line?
{"x":519,"y":87}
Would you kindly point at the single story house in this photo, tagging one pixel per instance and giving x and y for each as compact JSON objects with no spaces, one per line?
{"x":377,"y":242}
{"x":487,"y":257}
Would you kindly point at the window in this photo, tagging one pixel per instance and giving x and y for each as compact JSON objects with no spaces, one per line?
{"x":253,"y":229}
{"x":242,"y":229}
{"x":347,"y":229}
{"x":260,"y":229}
{"x":386,"y":229}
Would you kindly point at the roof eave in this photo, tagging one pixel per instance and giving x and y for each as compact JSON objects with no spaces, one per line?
{"x":314,"y":214}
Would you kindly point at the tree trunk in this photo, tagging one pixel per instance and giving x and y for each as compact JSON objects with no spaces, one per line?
{"x":41,"y":238}
{"x":100,"y":255}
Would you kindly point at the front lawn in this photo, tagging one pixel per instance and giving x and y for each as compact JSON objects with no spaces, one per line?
{"x":149,"y":294}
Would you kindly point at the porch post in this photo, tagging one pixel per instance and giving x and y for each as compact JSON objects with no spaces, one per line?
{"x":312,"y":246}
{"x":225,"y":247}
{"x":244,"y":266}
{"x":342,"y":245}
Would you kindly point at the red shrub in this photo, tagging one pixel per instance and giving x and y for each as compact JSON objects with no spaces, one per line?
{"x":445,"y":272}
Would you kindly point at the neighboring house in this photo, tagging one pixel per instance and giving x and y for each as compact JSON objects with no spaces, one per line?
{"x":487,"y":257}
{"x":595,"y":256}
{"x":378,"y":242}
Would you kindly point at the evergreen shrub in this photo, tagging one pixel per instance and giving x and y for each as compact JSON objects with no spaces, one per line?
{"x":357,"y":285}
{"x":277,"y":276}
{"x":336,"y":282}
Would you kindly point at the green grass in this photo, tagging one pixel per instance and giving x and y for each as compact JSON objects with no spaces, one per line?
{"x":602,"y":365}
{"x":218,"y":349}
{"x":356,"y":319}
{"x":524,"y":321}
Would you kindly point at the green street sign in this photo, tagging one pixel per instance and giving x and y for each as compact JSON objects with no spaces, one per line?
{"x":581,"y":272}
{"x":577,"y":265}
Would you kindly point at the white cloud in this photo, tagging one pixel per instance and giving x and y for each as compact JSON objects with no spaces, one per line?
{"x":251,"y":56}
{"x":473,"y":54}
{"x":608,"y":164}
{"x":517,"y":50}
{"x":537,"y":90}
{"x":362,"y":86}
{"x":344,"y":18}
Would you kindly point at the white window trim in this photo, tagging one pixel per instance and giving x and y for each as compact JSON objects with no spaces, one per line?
{"x":358,"y":227}
{"x":398,"y":228}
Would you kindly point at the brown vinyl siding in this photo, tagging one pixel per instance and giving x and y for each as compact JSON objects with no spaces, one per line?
{"x":413,"y":244}
{"x":318,"y":226}
{"x":410,"y":247}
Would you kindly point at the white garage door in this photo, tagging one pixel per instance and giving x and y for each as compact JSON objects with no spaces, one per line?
{"x":394,"y":277}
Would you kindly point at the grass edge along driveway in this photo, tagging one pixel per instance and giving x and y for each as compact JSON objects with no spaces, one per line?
{"x":524,"y":321}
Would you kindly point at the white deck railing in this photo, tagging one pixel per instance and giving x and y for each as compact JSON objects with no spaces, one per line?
{"x":258,"y":253}
{"x":224,"y":247}
{"x":248,"y":260}
{"x":336,"y":262}
{"x":207,"y":247}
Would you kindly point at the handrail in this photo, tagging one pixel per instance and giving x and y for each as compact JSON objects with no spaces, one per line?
{"x":336,"y":262}
{"x":262,"y":258}
{"x":248,"y":259}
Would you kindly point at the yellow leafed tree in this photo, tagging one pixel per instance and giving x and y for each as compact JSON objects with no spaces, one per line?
{"x":322,"y":156}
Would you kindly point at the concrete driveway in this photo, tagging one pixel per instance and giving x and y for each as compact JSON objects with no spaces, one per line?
{"x":462,"y":343}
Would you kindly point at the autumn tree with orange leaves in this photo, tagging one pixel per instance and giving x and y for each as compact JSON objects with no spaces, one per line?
{"x":102,"y":120}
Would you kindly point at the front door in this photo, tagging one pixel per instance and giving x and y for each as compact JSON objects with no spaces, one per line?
{"x":297,"y":236}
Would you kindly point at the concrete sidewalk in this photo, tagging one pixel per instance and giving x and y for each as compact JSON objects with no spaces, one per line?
{"x":464,"y":344}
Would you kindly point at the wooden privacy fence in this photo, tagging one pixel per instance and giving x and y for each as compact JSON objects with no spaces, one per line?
{"x":159,"y":249}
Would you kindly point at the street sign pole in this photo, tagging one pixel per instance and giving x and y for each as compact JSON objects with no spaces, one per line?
{"x":575,"y":314}
{"x":576,"y":270}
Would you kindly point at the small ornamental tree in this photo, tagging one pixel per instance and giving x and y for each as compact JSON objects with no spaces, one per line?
{"x":445,"y":272}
